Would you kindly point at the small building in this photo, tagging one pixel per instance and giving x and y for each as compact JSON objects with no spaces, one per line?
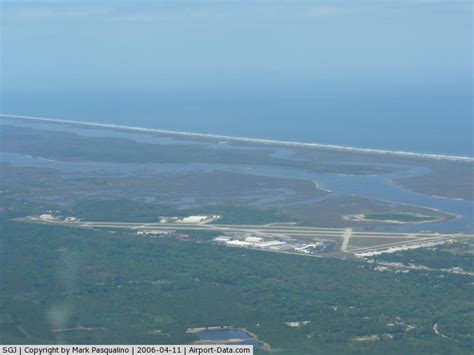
{"x":253,"y":239}
{"x":271,"y":243}
{"x":199,"y":219}
{"x":238,"y":243}
{"x":156,"y":232}
{"x":297,"y":324}
{"x":194,"y":219}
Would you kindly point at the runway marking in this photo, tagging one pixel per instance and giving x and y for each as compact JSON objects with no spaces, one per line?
{"x":344,"y":236}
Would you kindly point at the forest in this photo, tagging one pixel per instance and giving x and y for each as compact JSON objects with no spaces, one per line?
{"x":93,"y":286}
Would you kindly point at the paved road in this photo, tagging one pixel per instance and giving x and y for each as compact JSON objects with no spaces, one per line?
{"x":344,"y":235}
{"x":289,"y":230}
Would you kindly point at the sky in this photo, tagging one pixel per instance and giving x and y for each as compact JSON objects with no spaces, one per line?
{"x":362,"y":65}
{"x":222,"y":44}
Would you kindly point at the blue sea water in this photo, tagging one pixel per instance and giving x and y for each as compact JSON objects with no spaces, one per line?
{"x":418,"y":122}
{"x":391,"y":75}
{"x":373,"y":187}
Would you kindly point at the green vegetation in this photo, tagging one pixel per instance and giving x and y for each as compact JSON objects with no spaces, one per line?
{"x":439,"y":257}
{"x":71,"y":146}
{"x":128,"y":288}
{"x":120,"y":210}
{"x":140,"y":290}
{"x":399,"y":217}
{"x":451,"y":180}
{"x":372,"y":241}
{"x":123,"y":210}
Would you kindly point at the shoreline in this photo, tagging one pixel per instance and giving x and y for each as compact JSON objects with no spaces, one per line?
{"x":363,"y":218}
{"x":245,"y":139}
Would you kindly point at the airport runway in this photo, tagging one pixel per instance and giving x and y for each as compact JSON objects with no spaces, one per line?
{"x":342,"y":235}
{"x":289,"y":230}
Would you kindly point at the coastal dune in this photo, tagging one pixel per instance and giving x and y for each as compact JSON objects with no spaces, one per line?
{"x":244,"y":139}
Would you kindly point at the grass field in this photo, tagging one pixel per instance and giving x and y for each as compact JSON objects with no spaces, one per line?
{"x":373,"y":241}
{"x":399,"y":217}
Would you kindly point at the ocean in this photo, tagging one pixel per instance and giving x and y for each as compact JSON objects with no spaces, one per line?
{"x":417,"y":122}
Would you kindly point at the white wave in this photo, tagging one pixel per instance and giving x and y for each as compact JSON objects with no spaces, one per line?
{"x":247,"y":140}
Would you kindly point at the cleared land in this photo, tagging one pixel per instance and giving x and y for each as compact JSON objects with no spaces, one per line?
{"x":400,"y":218}
{"x":127,"y":279}
{"x":371,"y":241}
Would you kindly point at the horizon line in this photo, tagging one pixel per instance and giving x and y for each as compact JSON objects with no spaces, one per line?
{"x":246,"y":139}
